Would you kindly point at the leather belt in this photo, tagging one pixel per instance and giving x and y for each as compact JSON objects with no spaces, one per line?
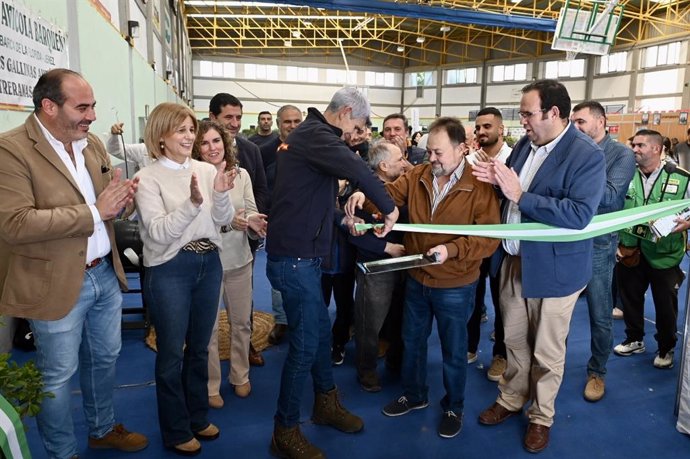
{"x":95,"y":262}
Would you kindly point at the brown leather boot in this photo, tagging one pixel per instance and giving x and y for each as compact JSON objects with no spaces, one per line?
{"x":329,"y":411}
{"x":255,"y":357}
{"x":288,"y":442}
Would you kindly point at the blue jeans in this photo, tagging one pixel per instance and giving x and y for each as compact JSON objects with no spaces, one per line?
{"x":600,"y":302}
{"x":452,"y":308}
{"x":87,"y":338}
{"x":277,"y":306}
{"x":183,"y":295}
{"x":299,"y":282}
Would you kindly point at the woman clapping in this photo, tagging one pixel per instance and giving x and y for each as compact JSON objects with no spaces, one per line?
{"x":182,"y":205}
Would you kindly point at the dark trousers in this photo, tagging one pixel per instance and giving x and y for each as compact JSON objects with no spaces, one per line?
{"x":473,"y":326}
{"x":342,"y":287}
{"x":183,"y":295}
{"x":379,"y":299}
{"x":632,"y":285}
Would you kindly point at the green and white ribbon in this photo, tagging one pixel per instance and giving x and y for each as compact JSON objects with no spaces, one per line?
{"x":600,"y":224}
{"x":12,"y":439}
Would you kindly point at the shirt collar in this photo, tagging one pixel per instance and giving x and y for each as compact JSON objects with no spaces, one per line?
{"x":170,"y":164}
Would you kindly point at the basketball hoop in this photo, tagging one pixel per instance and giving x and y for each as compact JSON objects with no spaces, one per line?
{"x":587,"y":27}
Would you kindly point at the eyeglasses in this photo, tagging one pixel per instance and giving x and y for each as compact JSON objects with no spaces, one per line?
{"x":526,"y":115}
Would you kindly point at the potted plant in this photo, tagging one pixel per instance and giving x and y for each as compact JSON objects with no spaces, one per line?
{"x":21,"y":395}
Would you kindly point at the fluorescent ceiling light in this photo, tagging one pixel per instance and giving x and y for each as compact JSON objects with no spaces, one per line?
{"x":445,"y":28}
{"x":296,"y":33}
{"x":401,"y":48}
{"x":515,"y":1}
{"x":272,"y":16}
{"x":420,"y":39}
{"x":287,"y":43}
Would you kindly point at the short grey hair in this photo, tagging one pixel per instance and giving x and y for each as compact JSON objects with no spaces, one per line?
{"x":378,"y":153}
{"x":282,"y":110}
{"x":353,"y":98}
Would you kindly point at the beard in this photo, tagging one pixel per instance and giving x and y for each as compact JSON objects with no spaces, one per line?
{"x":437,"y":170}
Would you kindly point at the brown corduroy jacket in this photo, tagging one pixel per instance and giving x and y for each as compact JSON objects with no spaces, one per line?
{"x":45,"y":224}
{"x":469,"y":202}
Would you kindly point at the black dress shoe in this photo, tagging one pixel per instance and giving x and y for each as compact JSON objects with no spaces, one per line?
{"x":277,"y":334}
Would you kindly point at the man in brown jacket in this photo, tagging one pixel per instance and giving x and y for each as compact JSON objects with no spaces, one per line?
{"x":58,"y":262}
{"x":443,"y":192}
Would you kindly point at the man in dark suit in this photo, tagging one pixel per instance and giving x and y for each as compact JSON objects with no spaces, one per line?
{"x":59,"y":266}
{"x":555,"y":175}
{"x":227,"y":110}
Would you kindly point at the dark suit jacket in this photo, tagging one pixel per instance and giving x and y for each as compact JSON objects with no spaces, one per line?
{"x":249,"y":157}
{"x":565,"y":192}
{"x":45,"y":224}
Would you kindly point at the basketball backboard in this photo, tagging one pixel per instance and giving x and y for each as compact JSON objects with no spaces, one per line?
{"x":587,"y":27}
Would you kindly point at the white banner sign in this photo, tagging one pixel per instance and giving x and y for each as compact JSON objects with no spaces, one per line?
{"x":29,"y":47}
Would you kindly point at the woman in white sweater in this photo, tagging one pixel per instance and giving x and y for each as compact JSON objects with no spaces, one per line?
{"x":214,"y":146}
{"x":182,"y":205}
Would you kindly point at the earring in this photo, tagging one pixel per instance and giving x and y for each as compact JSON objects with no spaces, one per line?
{"x":162,"y":145}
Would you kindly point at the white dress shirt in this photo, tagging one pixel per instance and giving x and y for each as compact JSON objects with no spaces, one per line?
{"x":98,"y":244}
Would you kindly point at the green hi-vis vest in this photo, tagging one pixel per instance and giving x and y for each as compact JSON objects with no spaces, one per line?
{"x":665,"y":252}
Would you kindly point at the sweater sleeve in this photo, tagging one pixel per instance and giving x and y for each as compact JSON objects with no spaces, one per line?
{"x":163,"y":227}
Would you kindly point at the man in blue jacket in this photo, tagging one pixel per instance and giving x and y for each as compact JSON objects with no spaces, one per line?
{"x":555,"y":175}
{"x":309,"y":165}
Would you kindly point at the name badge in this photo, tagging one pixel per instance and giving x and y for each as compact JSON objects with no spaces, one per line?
{"x":671,"y":188}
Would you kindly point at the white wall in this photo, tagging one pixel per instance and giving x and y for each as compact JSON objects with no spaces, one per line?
{"x":454,"y":100}
{"x":614,"y":87}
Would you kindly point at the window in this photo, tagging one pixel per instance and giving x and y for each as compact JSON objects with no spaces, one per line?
{"x":461,"y":76}
{"x":565,"y":69}
{"x":216,"y":69}
{"x":379,"y":79}
{"x":420,"y":79}
{"x":514,"y":72}
{"x":260,"y":72}
{"x":308,"y":74}
{"x":668,"y":54}
{"x":338,"y":76}
{"x":616,"y":62}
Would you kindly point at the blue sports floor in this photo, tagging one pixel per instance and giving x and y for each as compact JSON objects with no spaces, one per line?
{"x":634,"y":420}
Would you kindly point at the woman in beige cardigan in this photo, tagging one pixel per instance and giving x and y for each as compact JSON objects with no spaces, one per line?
{"x":214,"y":146}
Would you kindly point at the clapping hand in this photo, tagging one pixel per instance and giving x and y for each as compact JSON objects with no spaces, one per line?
{"x":224,"y":180}
{"x":195,"y":192}
{"x":116,"y":195}
{"x":258,"y":224}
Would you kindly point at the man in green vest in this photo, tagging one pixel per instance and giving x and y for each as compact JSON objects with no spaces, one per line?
{"x":649,"y":260}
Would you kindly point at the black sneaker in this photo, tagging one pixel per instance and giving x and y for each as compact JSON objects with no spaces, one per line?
{"x":338,"y":354}
{"x":402,"y":406}
{"x":451,"y":424}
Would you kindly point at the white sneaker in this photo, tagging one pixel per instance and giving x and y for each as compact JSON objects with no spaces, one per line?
{"x":628,"y":347}
{"x":665,"y":361}
{"x":471,"y":357}
{"x":617,"y":313}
